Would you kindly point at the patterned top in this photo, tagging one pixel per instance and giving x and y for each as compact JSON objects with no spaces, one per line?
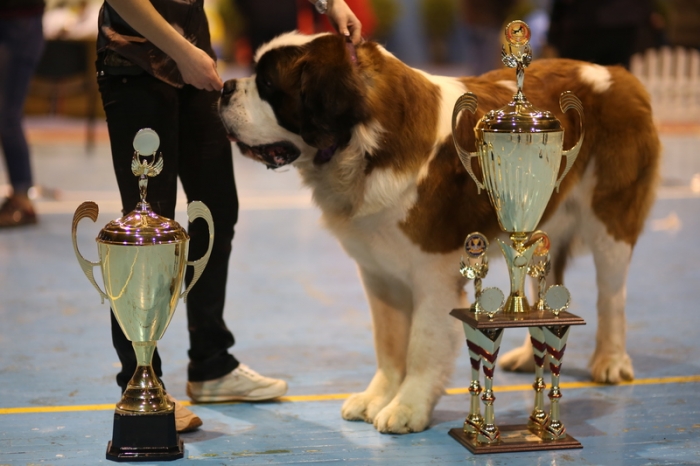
{"x":125,"y":51}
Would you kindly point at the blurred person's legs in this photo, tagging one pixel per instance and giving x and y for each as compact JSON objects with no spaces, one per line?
{"x":21,"y":44}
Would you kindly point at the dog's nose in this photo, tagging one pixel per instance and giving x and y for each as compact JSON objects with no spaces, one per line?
{"x":228,"y":90}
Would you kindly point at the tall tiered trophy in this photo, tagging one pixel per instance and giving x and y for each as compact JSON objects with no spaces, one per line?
{"x":143,"y":258}
{"x":520,"y":149}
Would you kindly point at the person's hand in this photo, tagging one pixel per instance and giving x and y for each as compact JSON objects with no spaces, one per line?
{"x":198,"y":69}
{"x":344,"y":20}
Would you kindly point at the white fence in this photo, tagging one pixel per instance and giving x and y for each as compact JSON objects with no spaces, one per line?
{"x":672,"y":77}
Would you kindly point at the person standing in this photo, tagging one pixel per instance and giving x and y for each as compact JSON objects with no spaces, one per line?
{"x":606,"y":32}
{"x":21,"y":45}
{"x":156,"y":69}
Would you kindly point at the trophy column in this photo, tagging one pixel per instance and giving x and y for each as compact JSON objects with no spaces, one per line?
{"x":555,"y":337}
{"x":474,"y":419}
{"x":487,"y":343}
{"x":538,"y":418}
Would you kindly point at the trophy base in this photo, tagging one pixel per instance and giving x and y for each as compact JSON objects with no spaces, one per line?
{"x":513,"y":438}
{"x":145,"y":437}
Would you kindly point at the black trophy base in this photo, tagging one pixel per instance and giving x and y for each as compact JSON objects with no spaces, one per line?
{"x":513,"y":438}
{"x":145,"y":437}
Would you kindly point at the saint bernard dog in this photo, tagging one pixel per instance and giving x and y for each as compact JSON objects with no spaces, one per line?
{"x":372,"y":138}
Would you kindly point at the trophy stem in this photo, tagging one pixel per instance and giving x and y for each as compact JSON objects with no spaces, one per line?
{"x":144,"y":352}
{"x":144,"y":392}
{"x":474,"y":419}
{"x":518,"y":256}
{"x":555,"y":429}
{"x":518,"y":240}
{"x":488,"y":432}
{"x":538,"y":418}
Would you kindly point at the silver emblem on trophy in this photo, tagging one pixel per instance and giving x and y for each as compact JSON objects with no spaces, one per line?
{"x":520,"y":151}
{"x":143,"y":258}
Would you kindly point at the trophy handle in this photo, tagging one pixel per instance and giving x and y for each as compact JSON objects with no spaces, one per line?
{"x":567,"y":101}
{"x":86,"y":209}
{"x":466,"y":101}
{"x":195,"y":210}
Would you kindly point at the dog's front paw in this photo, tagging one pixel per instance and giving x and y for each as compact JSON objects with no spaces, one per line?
{"x":520,"y":360}
{"x":611,"y":368}
{"x":398,"y":418}
{"x":363,"y":406}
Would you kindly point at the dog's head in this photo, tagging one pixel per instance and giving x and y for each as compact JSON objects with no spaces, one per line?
{"x":304,"y":100}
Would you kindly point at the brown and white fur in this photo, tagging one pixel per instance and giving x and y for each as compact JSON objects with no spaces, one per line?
{"x":372,"y":138}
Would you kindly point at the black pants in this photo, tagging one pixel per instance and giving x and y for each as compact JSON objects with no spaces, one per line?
{"x":195,"y":149}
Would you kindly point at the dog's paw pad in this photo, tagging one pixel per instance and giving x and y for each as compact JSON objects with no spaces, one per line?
{"x":612,"y":368}
{"x":520,"y":360}
{"x":398,"y":418}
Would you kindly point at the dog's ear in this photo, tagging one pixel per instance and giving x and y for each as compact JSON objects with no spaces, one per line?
{"x":332,"y":93}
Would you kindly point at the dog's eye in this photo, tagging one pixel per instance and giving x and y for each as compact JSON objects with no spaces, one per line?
{"x":266,"y":84}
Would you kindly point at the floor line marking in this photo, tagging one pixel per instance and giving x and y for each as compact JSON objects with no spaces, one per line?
{"x":342,"y":396}
{"x":573,"y":385}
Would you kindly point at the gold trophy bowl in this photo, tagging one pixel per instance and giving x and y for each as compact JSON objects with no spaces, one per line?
{"x":143,"y":257}
{"x":520,"y":149}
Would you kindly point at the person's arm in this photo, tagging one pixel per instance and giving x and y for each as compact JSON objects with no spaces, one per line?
{"x":343,"y":19}
{"x":196,"y":67}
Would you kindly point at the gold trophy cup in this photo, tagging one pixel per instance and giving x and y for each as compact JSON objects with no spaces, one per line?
{"x":520,"y":150}
{"x":143,"y":257}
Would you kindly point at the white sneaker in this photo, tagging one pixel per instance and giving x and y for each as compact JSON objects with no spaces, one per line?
{"x":185,"y":420}
{"x":241,"y":384}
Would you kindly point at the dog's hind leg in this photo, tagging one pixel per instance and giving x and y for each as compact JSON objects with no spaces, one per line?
{"x":434,"y":343}
{"x":389,"y":302}
{"x":610,"y":362}
{"x":520,"y":359}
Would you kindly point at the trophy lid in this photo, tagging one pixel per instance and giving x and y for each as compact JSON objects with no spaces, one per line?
{"x":519,"y":115}
{"x":142,"y":226}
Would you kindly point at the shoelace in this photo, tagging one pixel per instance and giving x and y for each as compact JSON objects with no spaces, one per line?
{"x":249,"y":372}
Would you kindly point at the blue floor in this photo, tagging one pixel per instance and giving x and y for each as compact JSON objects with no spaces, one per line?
{"x":298,"y":312}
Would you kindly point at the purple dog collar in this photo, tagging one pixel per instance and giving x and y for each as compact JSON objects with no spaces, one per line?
{"x":325,"y":155}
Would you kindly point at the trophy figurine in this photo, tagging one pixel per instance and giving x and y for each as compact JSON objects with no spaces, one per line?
{"x":520,"y":150}
{"x":143,"y":257}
